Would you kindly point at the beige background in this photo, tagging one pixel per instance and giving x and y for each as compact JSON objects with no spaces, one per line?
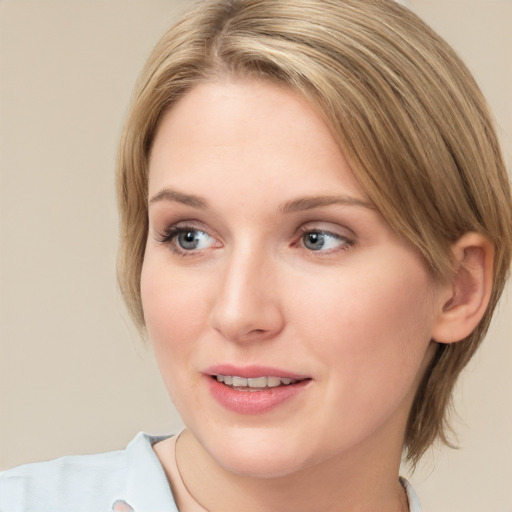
{"x":74,"y":377}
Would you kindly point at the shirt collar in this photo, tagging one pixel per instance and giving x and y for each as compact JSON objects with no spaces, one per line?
{"x":414,"y":502}
{"x":147,"y":488}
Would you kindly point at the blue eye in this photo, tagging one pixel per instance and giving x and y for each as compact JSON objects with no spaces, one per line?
{"x":193,"y":239}
{"x":322,"y":241}
{"x":186,"y":239}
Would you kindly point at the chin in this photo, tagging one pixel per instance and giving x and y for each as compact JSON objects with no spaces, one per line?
{"x":254,"y":465}
{"x":259,"y":455}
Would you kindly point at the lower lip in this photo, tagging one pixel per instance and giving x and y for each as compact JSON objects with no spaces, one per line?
{"x":254,"y":402}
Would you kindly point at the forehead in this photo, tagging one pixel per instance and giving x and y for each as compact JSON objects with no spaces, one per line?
{"x":248,"y":134}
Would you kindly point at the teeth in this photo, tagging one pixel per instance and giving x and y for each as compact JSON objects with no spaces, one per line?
{"x":273,"y":382}
{"x":239,"y":382}
{"x":260,"y":382}
{"x":255,"y":382}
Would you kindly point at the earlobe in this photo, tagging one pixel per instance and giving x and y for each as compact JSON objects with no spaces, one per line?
{"x":468,"y":292}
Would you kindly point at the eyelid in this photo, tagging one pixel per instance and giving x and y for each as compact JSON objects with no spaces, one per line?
{"x":327,"y":227}
{"x":177,"y":225}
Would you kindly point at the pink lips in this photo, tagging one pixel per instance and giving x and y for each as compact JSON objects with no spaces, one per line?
{"x":252,"y":371}
{"x":253,"y":402}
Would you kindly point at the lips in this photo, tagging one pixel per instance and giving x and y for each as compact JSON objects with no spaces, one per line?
{"x":254,"y":389}
{"x":253,"y":371}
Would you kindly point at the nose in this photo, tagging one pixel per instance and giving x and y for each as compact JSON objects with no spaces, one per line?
{"x":247,"y":305}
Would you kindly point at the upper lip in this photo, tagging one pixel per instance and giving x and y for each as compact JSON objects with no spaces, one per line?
{"x":253,"y":371}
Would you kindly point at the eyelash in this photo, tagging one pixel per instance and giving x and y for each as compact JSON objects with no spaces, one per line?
{"x":345,"y":242}
{"x":169,"y":236}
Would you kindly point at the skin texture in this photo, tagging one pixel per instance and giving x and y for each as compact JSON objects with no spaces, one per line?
{"x":356,"y":316}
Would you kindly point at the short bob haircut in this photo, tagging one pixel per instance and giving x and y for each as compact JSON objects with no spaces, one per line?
{"x":405,"y":110}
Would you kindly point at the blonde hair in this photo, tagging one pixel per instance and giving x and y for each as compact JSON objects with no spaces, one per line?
{"x":408,"y":115}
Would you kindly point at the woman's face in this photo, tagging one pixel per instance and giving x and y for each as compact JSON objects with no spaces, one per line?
{"x":268,"y":268}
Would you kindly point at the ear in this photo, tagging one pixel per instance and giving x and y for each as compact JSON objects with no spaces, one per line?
{"x":465,"y":298}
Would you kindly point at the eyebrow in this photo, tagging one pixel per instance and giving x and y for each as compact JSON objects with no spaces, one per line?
{"x":308,"y":203}
{"x":295,"y":205}
{"x":179,"y":197}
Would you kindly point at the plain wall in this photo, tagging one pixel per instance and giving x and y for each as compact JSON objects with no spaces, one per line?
{"x":74,"y":376}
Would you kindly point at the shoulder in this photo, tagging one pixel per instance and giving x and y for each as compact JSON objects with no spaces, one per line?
{"x":83,"y":483}
{"x":61,"y":483}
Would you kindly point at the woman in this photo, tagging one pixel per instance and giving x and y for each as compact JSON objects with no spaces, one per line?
{"x":315,"y":231}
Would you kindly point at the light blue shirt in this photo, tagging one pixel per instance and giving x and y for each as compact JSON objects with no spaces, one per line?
{"x":131,"y":478}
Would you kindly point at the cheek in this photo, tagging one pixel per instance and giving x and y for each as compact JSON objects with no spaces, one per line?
{"x":372,"y":331}
{"x":175,"y":311}
{"x":367,"y":308}
{"x":175,"y":308}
